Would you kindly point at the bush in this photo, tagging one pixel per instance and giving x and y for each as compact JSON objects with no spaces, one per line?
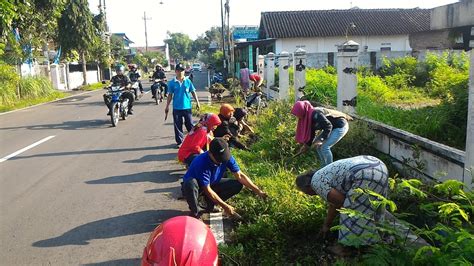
{"x":35,"y":87}
{"x":321,"y":86}
{"x":9,"y":82}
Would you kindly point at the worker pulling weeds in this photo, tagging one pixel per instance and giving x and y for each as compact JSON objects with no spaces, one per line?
{"x":205,"y":175}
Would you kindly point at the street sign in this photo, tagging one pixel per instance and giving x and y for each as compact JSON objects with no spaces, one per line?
{"x":245,"y":32}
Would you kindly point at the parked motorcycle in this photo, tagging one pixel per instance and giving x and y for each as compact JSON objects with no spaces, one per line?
{"x":118,"y":105}
{"x":157,"y":90}
{"x":218,"y":78}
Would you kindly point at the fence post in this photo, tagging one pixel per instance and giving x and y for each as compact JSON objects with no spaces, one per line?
{"x":260,"y":66}
{"x":270,"y":73}
{"x":299,"y":74}
{"x":54,"y":70}
{"x":347,"y":57}
{"x":283,"y":77}
{"x":469,"y":159}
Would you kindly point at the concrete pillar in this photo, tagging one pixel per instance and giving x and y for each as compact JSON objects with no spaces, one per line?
{"x":68,"y":78}
{"x":469,"y":159}
{"x":347,"y":57}
{"x":269,"y":72}
{"x":299,"y":75}
{"x":283,"y":79}
{"x":260,"y":66}
{"x":54,"y":70}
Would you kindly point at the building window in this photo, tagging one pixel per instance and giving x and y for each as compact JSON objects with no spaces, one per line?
{"x":385,"y":49}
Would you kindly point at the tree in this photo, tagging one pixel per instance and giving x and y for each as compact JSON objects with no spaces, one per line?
{"x":100,"y":50}
{"x":36,"y":21}
{"x":76,"y":30}
{"x":180,"y":46}
{"x":117,"y":49}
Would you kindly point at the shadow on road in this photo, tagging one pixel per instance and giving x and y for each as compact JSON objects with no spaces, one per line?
{"x":124,"y":225}
{"x":154,"y":177}
{"x":68,"y":125}
{"x":154,"y":158}
{"x":135,"y":261}
{"x":73,"y":153}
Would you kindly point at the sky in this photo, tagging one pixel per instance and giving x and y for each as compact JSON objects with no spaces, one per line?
{"x":195,"y":17}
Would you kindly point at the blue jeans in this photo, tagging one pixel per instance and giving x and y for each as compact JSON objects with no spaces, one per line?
{"x":324,"y":151}
{"x":178,"y":117}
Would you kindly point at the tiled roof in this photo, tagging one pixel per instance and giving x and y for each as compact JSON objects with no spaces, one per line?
{"x":321,"y":23}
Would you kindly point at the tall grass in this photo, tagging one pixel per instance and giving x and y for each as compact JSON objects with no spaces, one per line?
{"x":425,"y":98}
{"x":16,"y":92}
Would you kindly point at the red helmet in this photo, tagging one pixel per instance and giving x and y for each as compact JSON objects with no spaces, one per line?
{"x":182,"y":241}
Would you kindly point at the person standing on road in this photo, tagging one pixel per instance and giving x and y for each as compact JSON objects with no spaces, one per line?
{"x":205,"y":175}
{"x":334,"y":127}
{"x":180,"y":90}
{"x":339,"y":183}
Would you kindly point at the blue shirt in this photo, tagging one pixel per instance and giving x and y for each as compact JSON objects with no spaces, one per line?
{"x":181,"y":93}
{"x":206,"y":172}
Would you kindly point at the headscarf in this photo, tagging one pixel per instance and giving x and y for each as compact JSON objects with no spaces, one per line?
{"x":226,"y":110}
{"x":303,"y":111}
{"x":207,"y":121}
{"x":240,"y":113}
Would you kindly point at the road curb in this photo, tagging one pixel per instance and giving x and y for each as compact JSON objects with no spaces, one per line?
{"x":40,"y":104}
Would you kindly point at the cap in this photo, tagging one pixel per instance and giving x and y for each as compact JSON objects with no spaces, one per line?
{"x":220,"y":150}
{"x":179,"y":67}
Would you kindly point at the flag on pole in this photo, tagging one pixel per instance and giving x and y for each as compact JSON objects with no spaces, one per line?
{"x":16,"y":32}
{"x":58,"y":56}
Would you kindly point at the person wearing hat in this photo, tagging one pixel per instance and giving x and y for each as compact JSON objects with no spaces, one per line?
{"x":228,"y":128}
{"x":205,"y":175}
{"x":180,"y":90}
{"x":197,"y":141}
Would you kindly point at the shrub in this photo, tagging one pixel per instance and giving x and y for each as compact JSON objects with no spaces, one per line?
{"x":321,"y":86}
{"x":9,"y":82}
{"x":35,"y":87}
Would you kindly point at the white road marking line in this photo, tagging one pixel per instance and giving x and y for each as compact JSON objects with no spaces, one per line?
{"x":26,"y":148}
{"x":217,"y":227}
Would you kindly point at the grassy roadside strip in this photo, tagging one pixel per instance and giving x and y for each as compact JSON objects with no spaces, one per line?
{"x":282,"y":230}
{"x":54,"y":95}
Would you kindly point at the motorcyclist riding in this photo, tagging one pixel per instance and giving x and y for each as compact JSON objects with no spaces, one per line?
{"x":123,"y":81}
{"x":135,"y":76}
{"x":159,"y":73}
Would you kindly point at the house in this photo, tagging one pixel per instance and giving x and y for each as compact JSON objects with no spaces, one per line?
{"x":380,"y":32}
{"x":126,"y":45}
{"x":450,"y":28}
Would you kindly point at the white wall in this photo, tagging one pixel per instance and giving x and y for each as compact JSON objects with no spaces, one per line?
{"x":75,"y":78}
{"x":329,"y":44}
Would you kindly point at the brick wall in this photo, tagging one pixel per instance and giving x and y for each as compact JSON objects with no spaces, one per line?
{"x":430,"y":40}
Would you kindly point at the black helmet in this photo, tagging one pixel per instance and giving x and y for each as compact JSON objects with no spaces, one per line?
{"x":120,"y":69}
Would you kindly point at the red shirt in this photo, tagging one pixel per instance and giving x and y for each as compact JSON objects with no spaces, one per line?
{"x":193,"y":144}
{"x":255,"y":77}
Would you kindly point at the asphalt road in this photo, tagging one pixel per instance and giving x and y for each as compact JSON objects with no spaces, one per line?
{"x":92,"y":193}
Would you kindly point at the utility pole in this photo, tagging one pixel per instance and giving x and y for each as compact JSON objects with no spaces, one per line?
{"x":146,"y":34}
{"x":223,"y":40}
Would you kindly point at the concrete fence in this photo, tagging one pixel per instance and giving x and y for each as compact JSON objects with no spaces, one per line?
{"x":412,"y":155}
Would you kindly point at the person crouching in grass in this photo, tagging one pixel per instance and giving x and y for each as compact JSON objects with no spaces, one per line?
{"x":337,"y":183}
{"x":205,"y":175}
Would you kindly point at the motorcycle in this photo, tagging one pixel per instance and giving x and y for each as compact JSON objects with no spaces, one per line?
{"x":218,"y":78}
{"x":157,"y":90}
{"x":135,"y":87}
{"x":118,"y":105}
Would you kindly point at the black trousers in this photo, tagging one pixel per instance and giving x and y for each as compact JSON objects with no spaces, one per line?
{"x":226,"y":189}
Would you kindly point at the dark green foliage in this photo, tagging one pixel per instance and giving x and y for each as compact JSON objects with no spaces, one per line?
{"x":76,"y":27}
